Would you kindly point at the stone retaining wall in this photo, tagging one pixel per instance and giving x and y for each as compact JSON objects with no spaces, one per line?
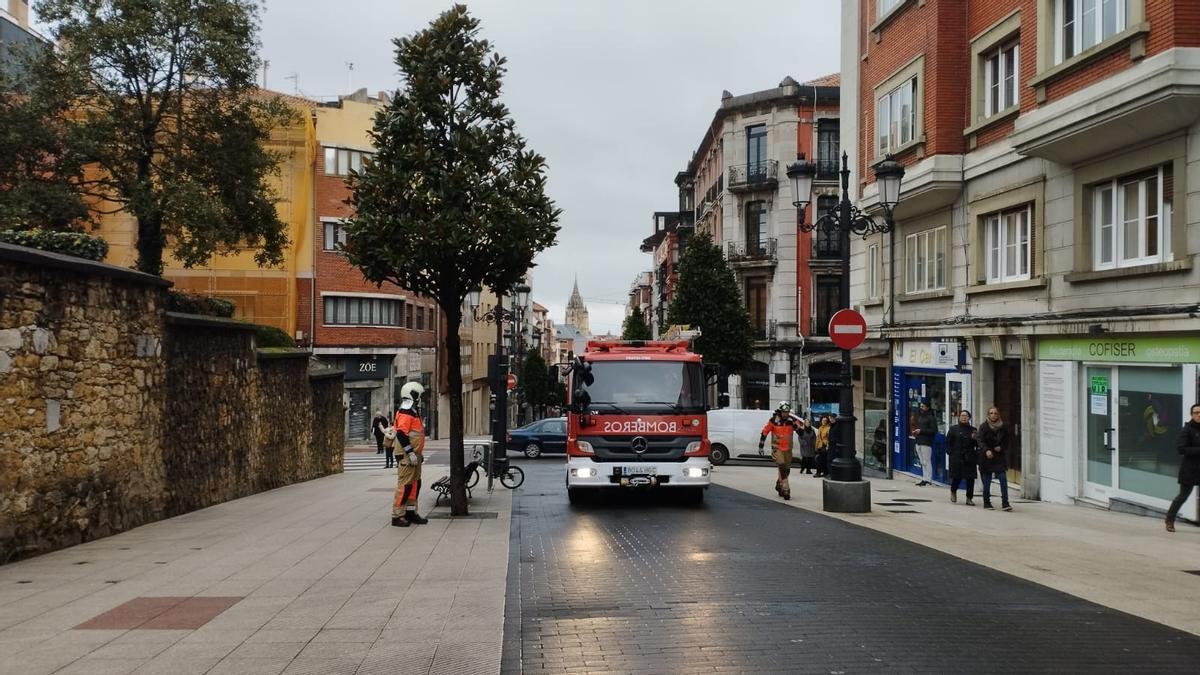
{"x":114,"y":413}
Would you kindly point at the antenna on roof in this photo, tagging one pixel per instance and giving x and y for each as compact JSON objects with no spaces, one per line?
{"x":266,"y":66}
{"x":349,"y":77}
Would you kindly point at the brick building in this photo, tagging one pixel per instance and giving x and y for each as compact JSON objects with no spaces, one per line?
{"x":739,"y":195}
{"x":383,"y":336}
{"x":1043,"y":259}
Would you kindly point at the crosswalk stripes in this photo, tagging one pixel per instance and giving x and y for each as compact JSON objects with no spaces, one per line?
{"x":362,"y":461}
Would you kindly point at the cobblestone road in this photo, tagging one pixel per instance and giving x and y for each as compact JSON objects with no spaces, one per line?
{"x":742,"y":584}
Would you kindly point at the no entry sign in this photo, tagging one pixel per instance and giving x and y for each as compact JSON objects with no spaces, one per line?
{"x":847,"y":328}
{"x":512,"y":381}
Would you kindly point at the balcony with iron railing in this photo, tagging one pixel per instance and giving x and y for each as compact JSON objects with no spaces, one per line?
{"x":752,"y":253}
{"x":827,"y":168}
{"x":755,"y":176}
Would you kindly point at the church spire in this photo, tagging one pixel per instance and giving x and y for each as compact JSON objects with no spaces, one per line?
{"x":577,"y":313}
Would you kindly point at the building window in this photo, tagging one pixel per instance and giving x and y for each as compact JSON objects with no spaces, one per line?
{"x":756,"y":228}
{"x":873,"y":271}
{"x":896,"y":122}
{"x":355,"y":311}
{"x":827,"y":240}
{"x":408,"y":321}
{"x":1083,"y":24}
{"x":1001,"y":70}
{"x":828,"y":148}
{"x":886,"y":6}
{"x":1008,"y":250}
{"x":756,"y":305}
{"x":1131,"y":219}
{"x":756,"y":150}
{"x":341,"y":161}
{"x":925,"y":257}
{"x":335,"y":236}
{"x":825,"y":303}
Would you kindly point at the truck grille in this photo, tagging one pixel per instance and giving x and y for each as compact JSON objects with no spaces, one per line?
{"x":658,"y":448}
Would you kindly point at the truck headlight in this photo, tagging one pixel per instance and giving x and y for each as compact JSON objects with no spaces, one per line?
{"x":696,"y":472}
{"x":694,"y":446}
{"x":584,"y":446}
{"x":583,"y":472}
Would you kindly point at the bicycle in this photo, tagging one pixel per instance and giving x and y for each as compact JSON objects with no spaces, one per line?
{"x":509,"y":476}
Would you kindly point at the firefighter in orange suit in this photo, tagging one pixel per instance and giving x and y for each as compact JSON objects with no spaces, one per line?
{"x":410,"y":441}
{"x":780,"y":428}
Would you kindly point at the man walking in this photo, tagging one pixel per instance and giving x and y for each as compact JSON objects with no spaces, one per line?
{"x":410,"y":438}
{"x":780,"y":427}
{"x":923,"y":435}
{"x":378,"y":426}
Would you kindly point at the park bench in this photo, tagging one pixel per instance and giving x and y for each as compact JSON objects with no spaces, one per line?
{"x":442,"y":485}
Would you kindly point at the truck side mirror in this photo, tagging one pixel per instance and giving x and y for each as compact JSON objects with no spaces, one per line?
{"x":580,"y":400}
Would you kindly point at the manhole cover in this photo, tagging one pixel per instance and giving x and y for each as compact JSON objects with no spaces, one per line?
{"x":481,"y":515}
{"x":902,"y":511}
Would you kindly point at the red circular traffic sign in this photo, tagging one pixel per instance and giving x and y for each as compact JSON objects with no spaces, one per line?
{"x":847,"y":328}
{"x":512,"y":381}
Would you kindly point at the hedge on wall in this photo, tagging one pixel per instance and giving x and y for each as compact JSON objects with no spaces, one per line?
{"x":270,"y":336}
{"x":186,"y":303}
{"x":76,"y":244}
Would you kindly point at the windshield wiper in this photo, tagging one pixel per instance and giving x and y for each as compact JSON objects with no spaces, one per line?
{"x":614,"y":406}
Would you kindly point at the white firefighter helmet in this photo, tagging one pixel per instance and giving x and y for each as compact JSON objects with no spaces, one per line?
{"x":783,"y":407}
{"x":412,"y":391}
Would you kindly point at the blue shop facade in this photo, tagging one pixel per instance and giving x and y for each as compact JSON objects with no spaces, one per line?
{"x":938,"y":372}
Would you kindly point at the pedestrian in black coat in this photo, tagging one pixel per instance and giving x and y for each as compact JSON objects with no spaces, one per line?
{"x":377,"y":427}
{"x":993,"y":444}
{"x":962,"y":450}
{"x":1189,"y":464}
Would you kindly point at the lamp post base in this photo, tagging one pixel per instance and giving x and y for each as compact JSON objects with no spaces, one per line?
{"x":845,"y":469}
{"x":846,"y":496}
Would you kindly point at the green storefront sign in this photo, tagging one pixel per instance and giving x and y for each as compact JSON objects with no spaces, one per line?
{"x":1121,"y":350}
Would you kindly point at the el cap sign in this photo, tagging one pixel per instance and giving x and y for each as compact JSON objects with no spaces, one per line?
{"x":847,"y":328}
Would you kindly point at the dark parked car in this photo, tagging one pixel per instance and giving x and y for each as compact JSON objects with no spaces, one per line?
{"x":548,"y":435}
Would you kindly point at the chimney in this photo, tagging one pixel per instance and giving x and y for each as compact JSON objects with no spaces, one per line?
{"x":20,"y":11}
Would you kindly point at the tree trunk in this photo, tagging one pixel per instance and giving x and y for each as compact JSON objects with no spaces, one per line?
{"x":150,"y":245}
{"x":458,"y":486}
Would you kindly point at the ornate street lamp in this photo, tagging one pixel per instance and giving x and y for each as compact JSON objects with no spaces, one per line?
{"x":846,"y":219}
{"x":499,"y":316}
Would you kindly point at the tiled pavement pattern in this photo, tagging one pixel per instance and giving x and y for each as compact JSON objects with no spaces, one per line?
{"x":326,"y":585}
{"x":745,"y":584}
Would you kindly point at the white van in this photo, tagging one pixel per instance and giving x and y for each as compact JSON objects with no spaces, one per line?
{"x":735,"y":433}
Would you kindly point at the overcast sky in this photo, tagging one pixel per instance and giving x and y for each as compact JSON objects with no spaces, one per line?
{"x":616,"y":94}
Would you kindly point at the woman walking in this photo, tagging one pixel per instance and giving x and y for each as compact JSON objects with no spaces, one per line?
{"x":1189,"y":464}
{"x":822,"y":446}
{"x":962,"y":450}
{"x":808,"y":449}
{"x":993,"y":440}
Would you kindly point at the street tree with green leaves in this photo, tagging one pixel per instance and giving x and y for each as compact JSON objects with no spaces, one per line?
{"x":158,"y":101}
{"x":635,"y":327}
{"x":535,"y":382}
{"x":453,"y":199}
{"x":707,"y":298}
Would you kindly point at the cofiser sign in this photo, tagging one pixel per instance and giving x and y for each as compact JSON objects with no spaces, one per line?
{"x":1121,"y":349}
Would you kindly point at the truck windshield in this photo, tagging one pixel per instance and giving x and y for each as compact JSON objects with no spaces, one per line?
{"x":645,"y":386}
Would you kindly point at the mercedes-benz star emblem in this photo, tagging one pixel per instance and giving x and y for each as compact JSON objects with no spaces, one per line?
{"x":639,"y":444}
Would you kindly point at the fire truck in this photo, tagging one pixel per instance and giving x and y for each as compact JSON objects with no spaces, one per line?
{"x":637,"y":419}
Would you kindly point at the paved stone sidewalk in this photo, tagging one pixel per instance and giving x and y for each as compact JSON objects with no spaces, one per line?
{"x":314,"y":578}
{"x":1126,"y":562}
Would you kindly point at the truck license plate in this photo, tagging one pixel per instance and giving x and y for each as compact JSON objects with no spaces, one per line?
{"x":639,"y":470}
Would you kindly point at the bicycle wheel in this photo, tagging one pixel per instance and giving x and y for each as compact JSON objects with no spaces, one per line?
{"x":472,"y":478}
{"x":512,"y":478}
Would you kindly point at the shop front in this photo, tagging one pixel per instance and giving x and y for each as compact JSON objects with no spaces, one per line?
{"x":1110,"y":413}
{"x":934,"y":372}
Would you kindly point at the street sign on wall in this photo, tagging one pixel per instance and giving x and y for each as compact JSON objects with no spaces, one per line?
{"x":367,"y":367}
{"x":847,"y":328}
